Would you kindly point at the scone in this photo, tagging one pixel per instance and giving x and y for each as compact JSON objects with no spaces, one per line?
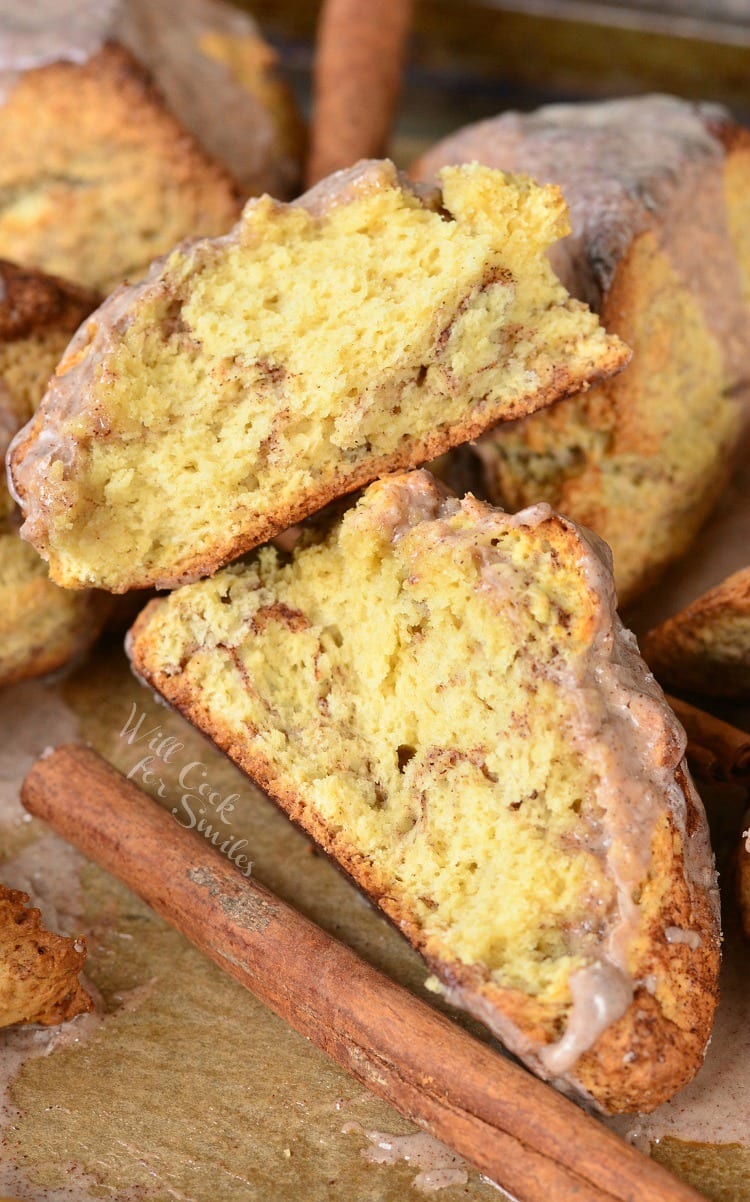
{"x":222,"y":81}
{"x":38,"y":969}
{"x":42,"y":627}
{"x":705,"y":648}
{"x":442,"y":695}
{"x":659,"y":196}
{"x":120,"y":124}
{"x":251,"y":379}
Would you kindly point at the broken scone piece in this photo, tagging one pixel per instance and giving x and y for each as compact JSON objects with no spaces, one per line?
{"x":38,"y":969}
{"x":250,"y":380}
{"x":442,"y":695}
{"x":705,"y":648}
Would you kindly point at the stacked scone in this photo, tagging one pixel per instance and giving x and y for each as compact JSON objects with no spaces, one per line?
{"x":439,"y":692}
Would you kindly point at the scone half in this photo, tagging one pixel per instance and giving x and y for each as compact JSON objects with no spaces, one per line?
{"x":252,"y":379}
{"x":442,"y":696}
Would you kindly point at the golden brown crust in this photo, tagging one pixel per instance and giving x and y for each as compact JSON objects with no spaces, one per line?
{"x":41,"y":627}
{"x":145,"y":182}
{"x":644,"y":1057}
{"x":38,"y":969}
{"x":213,"y":69}
{"x":705,"y":648}
{"x":223,"y":82}
{"x":32,"y":302}
{"x":642,"y":459}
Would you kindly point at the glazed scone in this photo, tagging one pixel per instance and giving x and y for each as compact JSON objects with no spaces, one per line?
{"x":659,"y":195}
{"x":251,"y":379}
{"x":98,"y":175}
{"x":42,"y":627}
{"x":705,"y":648}
{"x":38,"y":969}
{"x":222,"y":81}
{"x":442,"y":695}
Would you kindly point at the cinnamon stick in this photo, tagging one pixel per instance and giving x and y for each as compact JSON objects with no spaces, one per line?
{"x":716,"y":750}
{"x":358,"y":64}
{"x":518,"y":1131}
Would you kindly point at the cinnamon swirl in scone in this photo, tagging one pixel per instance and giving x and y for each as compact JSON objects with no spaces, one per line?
{"x":442,"y":695}
{"x":39,"y":970}
{"x":42,"y":626}
{"x":705,"y":648}
{"x":250,"y":380}
{"x":128,"y":125}
{"x":659,"y":195}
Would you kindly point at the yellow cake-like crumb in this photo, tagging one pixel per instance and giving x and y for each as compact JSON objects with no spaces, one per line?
{"x":250,"y":380}
{"x":440,"y":694}
{"x":641,"y":460}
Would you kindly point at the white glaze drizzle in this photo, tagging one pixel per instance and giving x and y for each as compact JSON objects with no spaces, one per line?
{"x":691,"y":939}
{"x":439,"y":1168}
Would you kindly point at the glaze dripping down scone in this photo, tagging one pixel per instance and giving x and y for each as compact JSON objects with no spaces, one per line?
{"x":250,"y":380}
{"x":705,"y":648}
{"x":42,"y":627}
{"x":39,"y":969}
{"x":659,"y":198}
{"x":442,"y":695}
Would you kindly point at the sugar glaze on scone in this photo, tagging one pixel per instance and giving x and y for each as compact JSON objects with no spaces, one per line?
{"x":659,"y":196}
{"x":253,"y":378}
{"x":443,"y":696}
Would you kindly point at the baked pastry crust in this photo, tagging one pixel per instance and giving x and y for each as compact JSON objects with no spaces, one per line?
{"x":705,"y":648}
{"x":658,"y":192}
{"x":97,"y":176}
{"x":191,"y":648}
{"x":210,"y":343}
{"x":38,"y":969}
{"x":223,"y":82}
{"x":41,"y":626}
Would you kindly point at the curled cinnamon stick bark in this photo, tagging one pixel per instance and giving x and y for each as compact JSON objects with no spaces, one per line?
{"x":716,"y":750}
{"x":358,"y":64}
{"x":515,"y":1129}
